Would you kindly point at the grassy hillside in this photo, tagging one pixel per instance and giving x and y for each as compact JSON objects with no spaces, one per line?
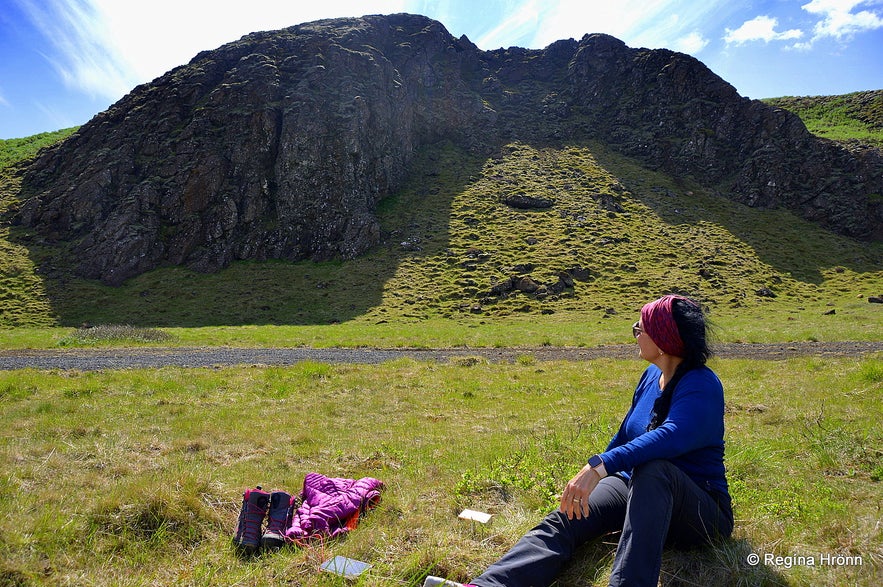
{"x":15,"y":150}
{"x":23,"y":299}
{"x":851,"y":117}
{"x":617,"y":233}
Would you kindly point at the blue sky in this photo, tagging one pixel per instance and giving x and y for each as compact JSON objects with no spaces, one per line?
{"x":63,"y":61}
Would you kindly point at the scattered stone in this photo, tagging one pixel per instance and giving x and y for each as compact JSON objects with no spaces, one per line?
{"x":580,"y":273}
{"x":522,"y":269}
{"x":503,"y":287}
{"x":526,"y":284}
{"x":523,"y":202}
{"x":830,"y":312}
{"x":875,"y":300}
{"x":765,"y":292}
{"x":609,"y":203}
{"x":613,"y":240}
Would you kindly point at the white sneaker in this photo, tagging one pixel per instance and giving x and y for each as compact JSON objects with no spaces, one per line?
{"x":439,"y":582}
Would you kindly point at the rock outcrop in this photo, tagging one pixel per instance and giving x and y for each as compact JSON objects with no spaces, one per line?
{"x":281,"y":144}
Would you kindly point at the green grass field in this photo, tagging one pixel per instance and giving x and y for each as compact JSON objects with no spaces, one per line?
{"x":135,"y":477}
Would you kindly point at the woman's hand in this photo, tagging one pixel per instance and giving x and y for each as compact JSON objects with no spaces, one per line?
{"x":575,"y":499}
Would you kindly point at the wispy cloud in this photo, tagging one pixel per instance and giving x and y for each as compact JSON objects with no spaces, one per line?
{"x":676,"y":24}
{"x":519,"y":22}
{"x":3,"y":100}
{"x":79,"y":45}
{"x":761,"y":28}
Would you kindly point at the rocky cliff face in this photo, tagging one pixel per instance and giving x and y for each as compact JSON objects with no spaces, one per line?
{"x":281,"y":144}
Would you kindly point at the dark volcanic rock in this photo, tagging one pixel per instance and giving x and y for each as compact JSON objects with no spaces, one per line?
{"x":281,"y":144}
{"x":275,"y":146}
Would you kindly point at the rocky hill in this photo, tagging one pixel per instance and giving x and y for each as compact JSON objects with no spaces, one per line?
{"x":282,"y":144}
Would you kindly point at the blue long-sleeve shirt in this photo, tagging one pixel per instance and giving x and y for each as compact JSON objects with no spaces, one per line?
{"x":691,"y":437}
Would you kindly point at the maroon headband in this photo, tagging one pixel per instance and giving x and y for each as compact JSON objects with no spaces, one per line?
{"x":659,"y":324}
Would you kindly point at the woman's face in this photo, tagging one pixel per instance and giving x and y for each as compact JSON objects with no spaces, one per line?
{"x":646,"y":347}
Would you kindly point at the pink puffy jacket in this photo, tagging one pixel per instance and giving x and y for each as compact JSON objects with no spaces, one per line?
{"x":332,"y":506}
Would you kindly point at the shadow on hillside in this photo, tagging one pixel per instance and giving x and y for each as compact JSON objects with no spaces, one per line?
{"x":723,"y":566}
{"x":415,"y":224}
{"x":788,"y":244}
{"x":780,"y":242}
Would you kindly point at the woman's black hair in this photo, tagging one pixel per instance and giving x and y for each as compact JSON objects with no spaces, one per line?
{"x":693,"y":330}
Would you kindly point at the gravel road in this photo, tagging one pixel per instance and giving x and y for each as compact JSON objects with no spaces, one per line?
{"x":152,"y":357}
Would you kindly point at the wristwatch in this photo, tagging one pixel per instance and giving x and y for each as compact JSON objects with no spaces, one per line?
{"x":597,"y":464}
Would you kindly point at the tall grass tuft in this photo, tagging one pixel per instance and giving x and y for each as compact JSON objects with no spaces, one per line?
{"x":158,"y":511}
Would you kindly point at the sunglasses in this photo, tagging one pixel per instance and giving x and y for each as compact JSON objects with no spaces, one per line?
{"x":637,"y":330}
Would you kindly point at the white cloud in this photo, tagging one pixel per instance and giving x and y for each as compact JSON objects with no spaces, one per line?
{"x":839,"y":21}
{"x":691,"y":43}
{"x":3,"y":100}
{"x":761,"y":28}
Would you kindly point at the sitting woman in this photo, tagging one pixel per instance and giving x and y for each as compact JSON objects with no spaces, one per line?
{"x":661,"y":480}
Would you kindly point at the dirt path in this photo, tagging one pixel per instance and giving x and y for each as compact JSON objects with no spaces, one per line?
{"x":98,"y":359}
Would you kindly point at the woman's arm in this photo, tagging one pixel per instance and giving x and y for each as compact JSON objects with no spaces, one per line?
{"x":694,"y":421}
